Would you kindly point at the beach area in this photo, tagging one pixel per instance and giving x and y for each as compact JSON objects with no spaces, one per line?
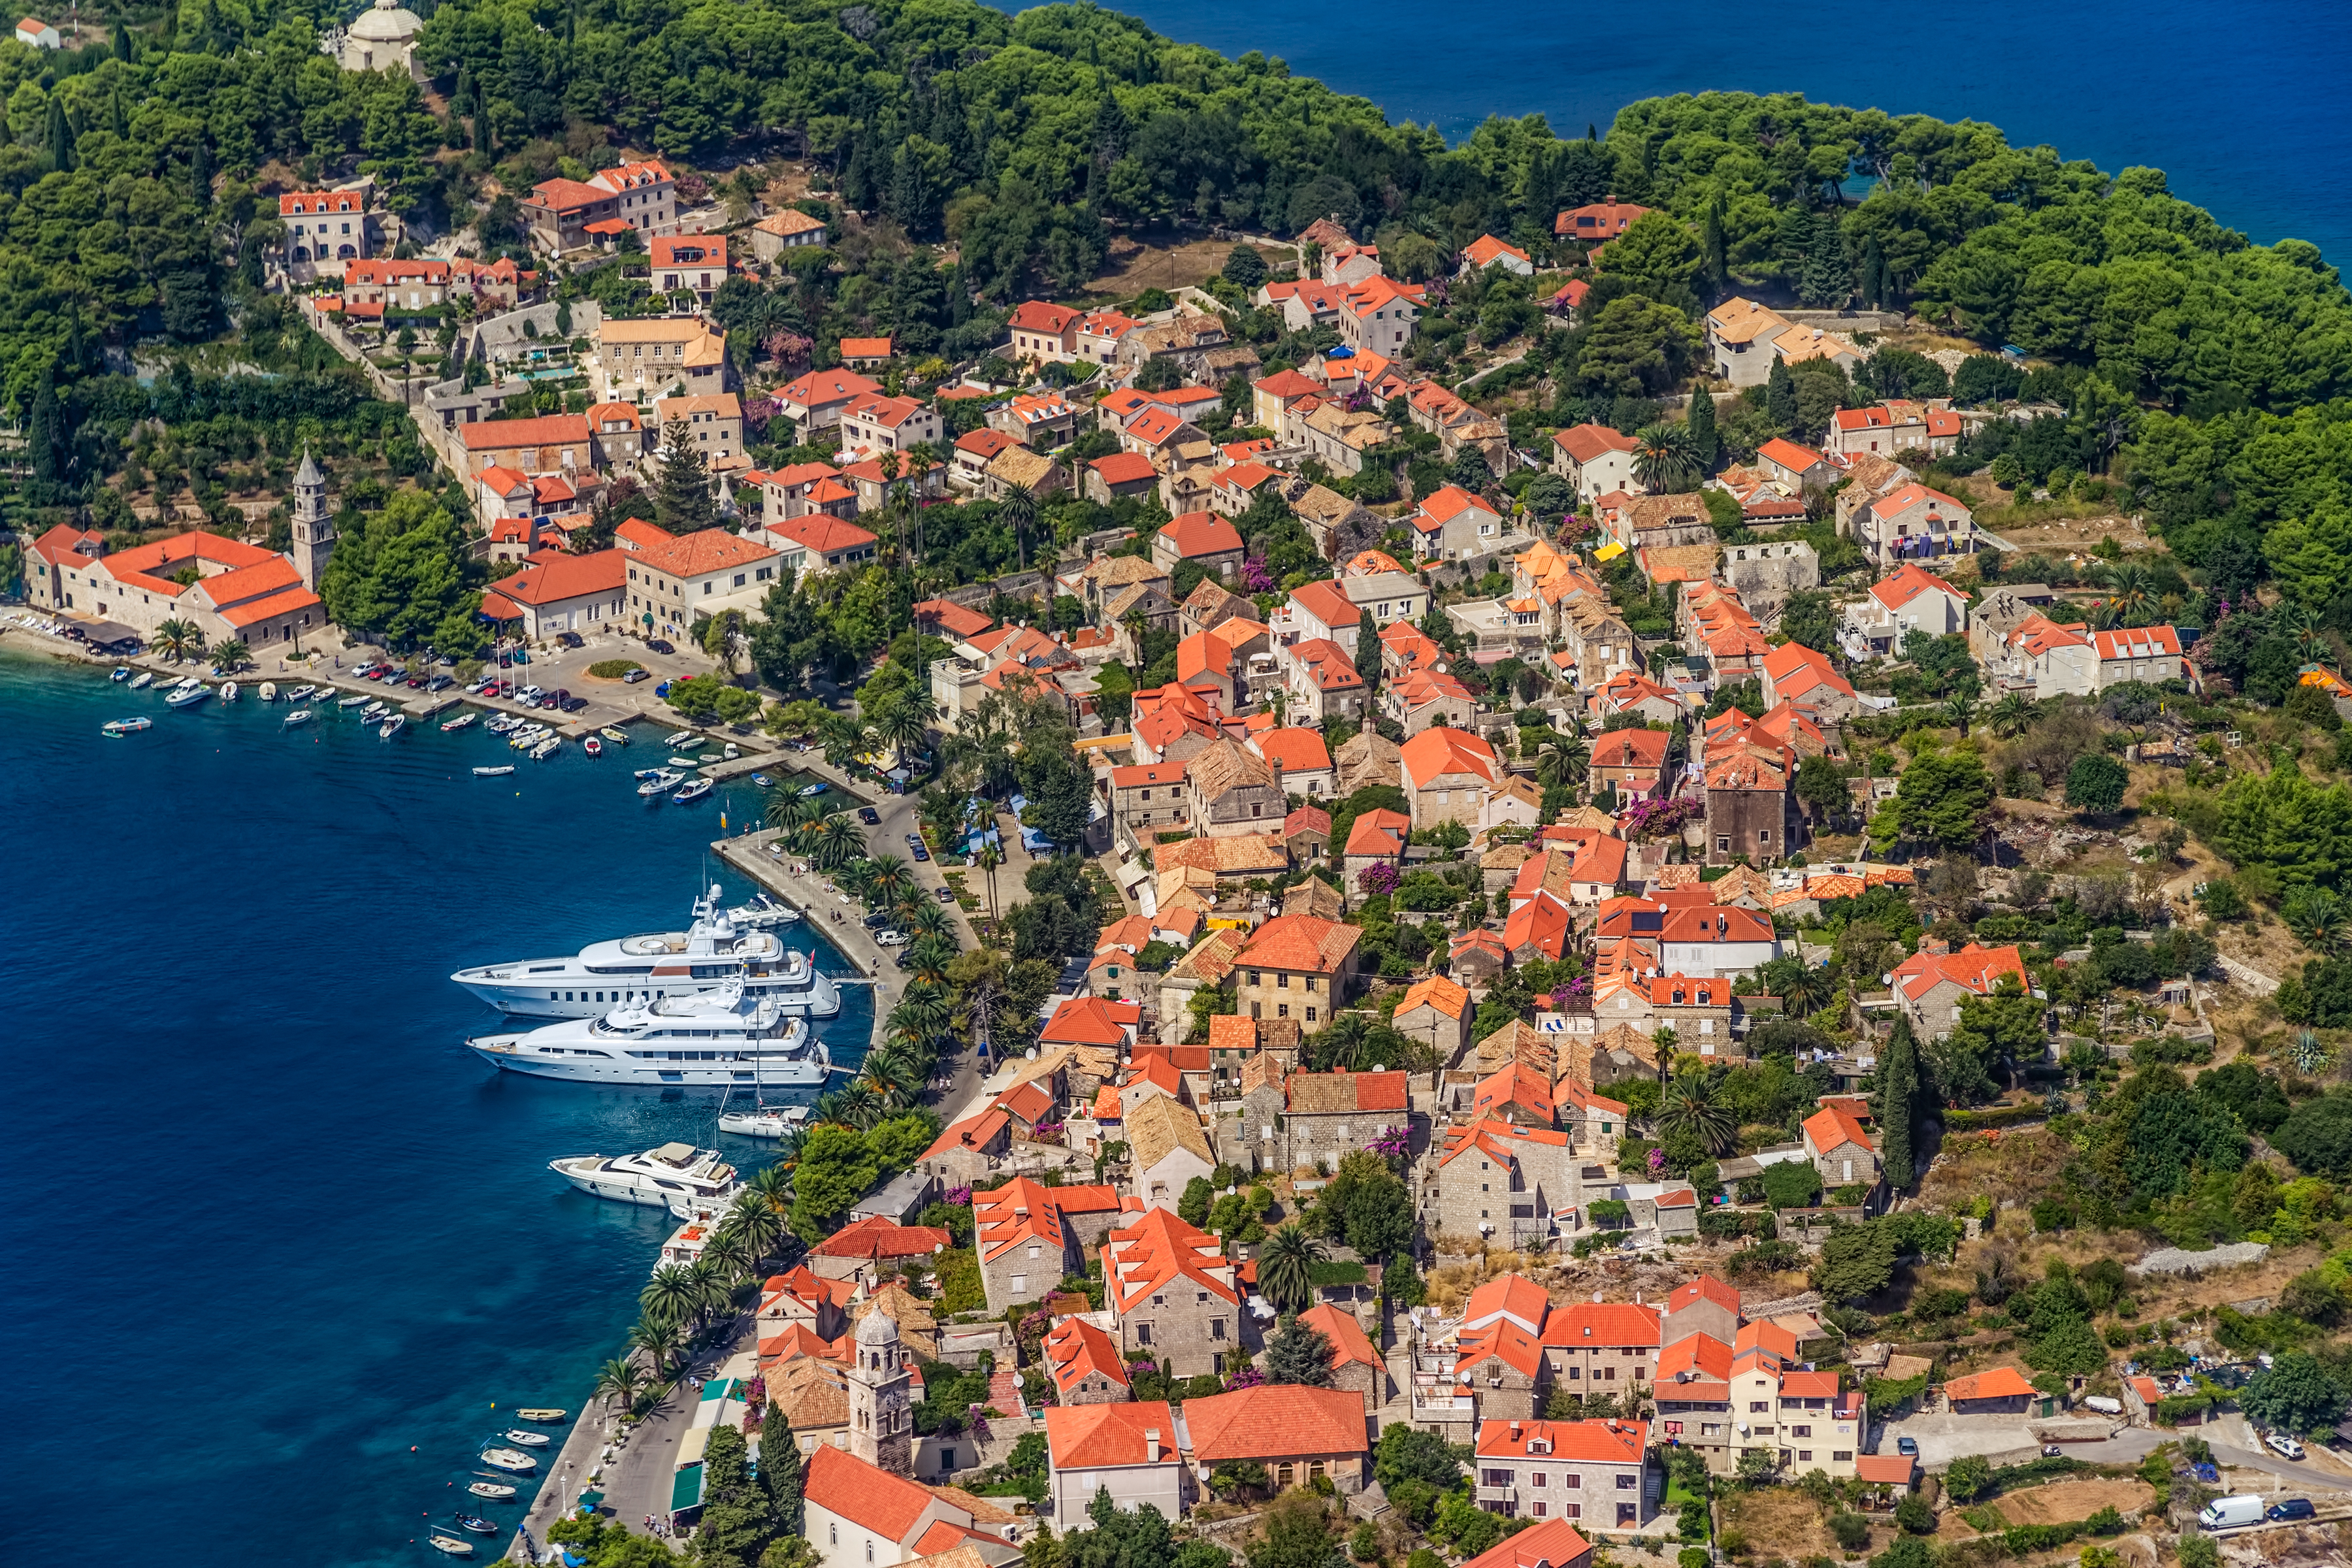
{"x":364,"y":1264}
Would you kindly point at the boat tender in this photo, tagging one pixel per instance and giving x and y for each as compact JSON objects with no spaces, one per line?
{"x":528,"y":1439}
{"x":497,"y":1491}
{"x":530,"y":1414}
{"x":476,"y":1523}
{"x":228,"y":691}
{"x":461,"y":720}
{"x":450,"y":1545}
{"x":143,"y":679}
{"x":117,"y":728}
{"x":614,"y":734}
{"x":299,"y":716}
{"x":393,"y":726}
{"x":501,"y":771}
{"x":122,"y":672}
{"x":509,"y":1459}
{"x":695,"y":790}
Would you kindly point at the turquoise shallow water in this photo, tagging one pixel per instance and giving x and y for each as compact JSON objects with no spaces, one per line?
{"x":272,"y":1226}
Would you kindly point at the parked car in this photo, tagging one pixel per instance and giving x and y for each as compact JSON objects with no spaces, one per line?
{"x":2052,"y":1452}
{"x":529,"y":693}
{"x":2291,"y":1508}
{"x":571,"y":639}
{"x":891,"y":937}
{"x":876,"y":921}
{"x":947,"y":895}
{"x":573,"y":704}
{"x":918,"y":852}
{"x":416,"y":680}
{"x":868,"y":816}
{"x":661,"y":645}
{"x":1907,"y":1446}
{"x":2226,"y":1513}
{"x":440,"y":683}
{"x":636,"y":675}
{"x":447,"y":661}
{"x":2284,"y":1442}
{"x":662,"y":690}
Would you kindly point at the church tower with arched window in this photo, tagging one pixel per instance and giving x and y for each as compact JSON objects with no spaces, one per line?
{"x":881,"y":1420}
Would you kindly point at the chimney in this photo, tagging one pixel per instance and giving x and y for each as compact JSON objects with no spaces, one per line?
{"x":1151,"y":1445}
{"x":1514,"y":1431}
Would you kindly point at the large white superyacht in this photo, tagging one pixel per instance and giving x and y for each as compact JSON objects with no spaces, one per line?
{"x":730,"y":1039}
{"x":711,"y":955}
{"x":669,"y":1176}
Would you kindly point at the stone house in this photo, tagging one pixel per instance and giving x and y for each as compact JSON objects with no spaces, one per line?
{"x":1593,"y":1474}
{"x":1296,"y":962}
{"x":1174,"y":1294}
{"x":1166,"y":1149}
{"x":1328,"y":1115}
{"x":1437,"y":1012}
{"x":1299,"y":1435}
{"x":1500,"y":1181}
{"x":1085,"y":1362}
{"x":1232,"y":791}
{"x":1028,"y":1236}
{"x":1841,"y":1150}
{"x":1126,"y":1450}
{"x":1356,"y":1365}
{"x":1601,"y":1347}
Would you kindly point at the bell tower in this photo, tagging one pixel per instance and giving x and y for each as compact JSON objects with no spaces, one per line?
{"x":881,"y":1423}
{"x":314,"y":531}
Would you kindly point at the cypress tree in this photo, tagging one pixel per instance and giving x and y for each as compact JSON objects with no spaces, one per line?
{"x":123,"y":49}
{"x":1719,"y":271}
{"x":781,"y":1470}
{"x":857,"y":179}
{"x":1898,"y":1092}
{"x":122,"y":124}
{"x":61,"y":141}
{"x":482,"y":132}
{"x":1873,"y":274}
{"x":46,"y":437}
{"x":1781,"y":397}
{"x":200,"y":174}
{"x":1827,"y":280}
{"x":1705,"y":444}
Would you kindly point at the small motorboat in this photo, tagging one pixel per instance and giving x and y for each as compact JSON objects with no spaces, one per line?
{"x":450,"y":1545}
{"x":509,"y":1459}
{"x":121,"y":727}
{"x":300,"y":692}
{"x":684,"y":761}
{"x":268,"y":693}
{"x":393,"y":726}
{"x":228,"y":691}
{"x":617,"y":736}
{"x":764,"y":1122}
{"x":505,"y":724}
{"x":122,"y":672}
{"x":188,"y":696}
{"x":143,"y":680}
{"x":733,"y":751}
{"x":548,"y":746}
{"x":810,"y":792}
{"x":501,"y":771}
{"x":708,"y":758}
{"x":476,"y":1523}
{"x":497,"y":1491}
{"x":681,"y":742}
{"x":354,"y":700}
{"x":695,"y":790}
{"x":461,"y":720}
{"x":660,"y":784}
{"x":528,"y":1439}
{"x":762,"y":911}
{"x":643,"y":774}
{"x":374,"y":710}
{"x":593,"y":746}
{"x":299,"y":716}
{"x":541,"y":1415}
{"x":762,"y":780}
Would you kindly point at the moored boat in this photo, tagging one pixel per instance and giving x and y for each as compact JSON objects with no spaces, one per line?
{"x":613,"y":734}
{"x":119,"y":728}
{"x":762,"y":780}
{"x":688,"y":763}
{"x":354,"y":700}
{"x":393,"y":726}
{"x":476,"y":1523}
{"x":660,"y":784}
{"x":374,"y":710}
{"x":765,"y":1121}
{"x":188,"y":696}
{"x":300,"y":692}
{"x":532,"y":1414}
{"x":509,"y":1459}
{"x":143,"y":679}
{"x":654,"y":1177}
{"x":528,"y":1439}
{"x":548,"y":746}
{"x":593,"y":746}
{"x":497,"y":773}
{"x":299,"y":716}
{"x":228,"y":691}
{"x":695,"y":790}
{"x":450,"y":1545}
{"x":497,"y":1491}
{"x":461,"y":720}
{"x":122,"y":672}
{"x":268,"y":693}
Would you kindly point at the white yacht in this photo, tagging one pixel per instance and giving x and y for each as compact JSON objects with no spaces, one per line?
{"x":731,"y":1040}
{"x":711,"y":955}
{"x":652,"y":1178}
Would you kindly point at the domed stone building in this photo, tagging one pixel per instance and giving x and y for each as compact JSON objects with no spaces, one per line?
{"x":382,"y":39}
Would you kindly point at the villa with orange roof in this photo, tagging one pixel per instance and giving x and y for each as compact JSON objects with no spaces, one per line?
{"x":1174,"y":1294}
{"x":1930,"y":986}
{"x":2003,"y":1391}
{"x":1128,"y":1450}
{"x":1451,"y":523}
{"x":1592,"y":1474}
{"x":1202,"y":537}
{"x":1297,"y":966}
{"x":241,"y":592}
{"x":857,"y":1512}
{"x":1449,"y":776}
{"x":1436,"y":1011}
{"x":1594,"y":459}
{"x":1029,"y":1237}
{"x":1085,"y":1364}
{"x":1503,"y":1181}
{"x":1908,"y":599}
{"x":1299,"y":1435}
{"x":1795,"y":673}
{"x":1915,"y":522}
{"x":1487,"y":251}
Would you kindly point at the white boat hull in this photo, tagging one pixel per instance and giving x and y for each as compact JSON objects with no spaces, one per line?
{"x":613,"y":1064}
{"x":539,"y":991}
{"x":771,"y":1124}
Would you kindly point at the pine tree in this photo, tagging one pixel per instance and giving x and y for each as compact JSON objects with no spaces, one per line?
{"x":1706,"y":446}
{"x":1827,"y":281}
{"x":1298,"y":1353}
{"x":1792,"y":238}
{"x":1898,"y":1093}
{"x":61,"y":141}
{"x":1781,"y":397}
{"x":1719,"y":271}
{"x":682,"y":499}
{"x":780,"y":1470}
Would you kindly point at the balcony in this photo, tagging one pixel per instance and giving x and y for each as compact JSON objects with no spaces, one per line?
{"x":1497,"y":1494}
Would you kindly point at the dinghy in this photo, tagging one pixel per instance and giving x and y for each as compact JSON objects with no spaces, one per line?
{"x":450,"y":1546}
{"x":497,"y":773}
{"x":497,"y":1491}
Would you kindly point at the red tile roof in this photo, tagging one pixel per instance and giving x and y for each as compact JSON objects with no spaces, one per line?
{"x":1075,"y":1349}
{"x":705,"y":551}
{"x":1348,"y":1342}
{"x":1507,"y":1295}
{"x":1274,"y":1421}
{"x":1504,"y":1340}
{"x":2001,"y":1382}
{"x":1090,"y":1021}
{"x":1160,"y":1247}
{"x":548,"y":578}
{"x":1586,"y":442}
{"x":1603,"y":1324}
{"x":1294,"y":751}
{"x":841,"y":1483}
{"x":545,"y":430}
{"x":820,"y":532}
{"x":1327,"y":603}
{"x":1554,"y":1543}
{"x":1439,"y":751}
{"x":1595,"y":1442}
{"x":877,"y":1237}
{"x":1788,"y":454}
{"x":1829,"y":1129}
{"x":1105,"y":1436}
{"x":1885,"y":1469}
{"x":1199,"y":533}
{"x":1124,"y":467}
{"x":1301,"y":942}
{"x":1705,"y":1288}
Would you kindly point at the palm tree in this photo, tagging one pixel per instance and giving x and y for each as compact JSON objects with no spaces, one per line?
{"x":927,"y":959}
{"x":1958,"y":709}
{"x":1285,"y":1268}
{"x":176,"y":639}
{"x":659,"y":1340}
{"x":842,"y":737}
{"x":671,"y":1295}
{"x":231,"y":656}
{"x":2012,"y":716}
{"x":755,"y":1217}
{"x":1689,"y":1103}
{"x":836,"y":842}
{"x":991,"y":856}
{"x":885,"y":1072}
{"x":730,"y":1254}
{"x":620,"y":1380}
{"x":1662,"y":458}
{"x":930,"y":920}
{"x":2310,"y":642}
{"x":1561,"y":763}
{"x":860,"y":1107}
{"x":774,"y":1184}
{"x":1804,"y":989}
{"x":714,"y":1287}
{"x":1340,"y":1045}
{"x":899,"y":726}
{"x":1018,"y":506}
{"x":825,"y":1108}
{"x":889,"y":879}
{"x":2131,"y":587}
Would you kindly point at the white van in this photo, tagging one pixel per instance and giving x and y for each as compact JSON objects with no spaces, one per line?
{"x":2227,"y":1514}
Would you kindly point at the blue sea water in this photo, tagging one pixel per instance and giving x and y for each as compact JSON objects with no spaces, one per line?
{"x":276,"y":1243}
{"x":2243,"y":105}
